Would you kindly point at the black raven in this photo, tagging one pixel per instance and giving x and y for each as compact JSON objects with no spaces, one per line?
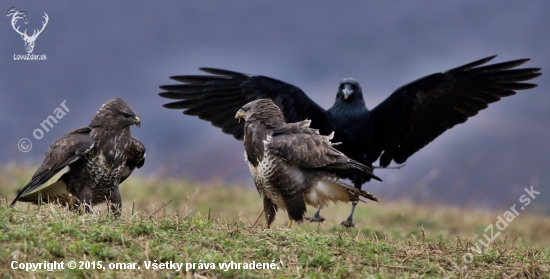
{"x":410,"y":118}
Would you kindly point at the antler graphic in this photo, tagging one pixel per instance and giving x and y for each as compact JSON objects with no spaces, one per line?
{"x":16,"y":15}
{"x":44,"y":23}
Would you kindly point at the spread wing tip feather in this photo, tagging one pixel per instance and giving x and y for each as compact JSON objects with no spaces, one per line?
{"x":34,"y":183}
{"x":222,"y":72}
{"x":365,"y":169}
{"x":13,"y":202}
{"x":375,"y":177}
{"x":170,"y":95}
{"x":174,"y":105}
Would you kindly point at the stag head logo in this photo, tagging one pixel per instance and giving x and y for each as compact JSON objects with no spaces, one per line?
{"x":16,"y":15}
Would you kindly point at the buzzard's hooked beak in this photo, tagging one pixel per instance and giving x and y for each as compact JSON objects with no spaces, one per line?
{"x":137,"y":122}
{"x":240,"y":114}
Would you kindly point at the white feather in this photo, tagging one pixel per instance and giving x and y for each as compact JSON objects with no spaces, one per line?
{"x":324,"y":192}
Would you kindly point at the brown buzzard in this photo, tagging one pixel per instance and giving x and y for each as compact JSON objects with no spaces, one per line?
{"x":293,"y":165}
{"x":99,"y":156}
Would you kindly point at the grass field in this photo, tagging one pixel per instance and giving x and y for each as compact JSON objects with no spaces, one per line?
{"x":207,"y":229}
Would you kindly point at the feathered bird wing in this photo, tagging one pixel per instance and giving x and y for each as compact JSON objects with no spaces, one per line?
{"x":63,"y":152}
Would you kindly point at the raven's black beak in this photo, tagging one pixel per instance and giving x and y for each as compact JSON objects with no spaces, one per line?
{"x":347,"y":91}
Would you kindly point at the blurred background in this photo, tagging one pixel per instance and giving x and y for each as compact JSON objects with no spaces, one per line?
{"x":101,"y":50}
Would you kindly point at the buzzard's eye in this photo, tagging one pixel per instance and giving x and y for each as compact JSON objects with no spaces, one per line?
{"x":126,"y":115}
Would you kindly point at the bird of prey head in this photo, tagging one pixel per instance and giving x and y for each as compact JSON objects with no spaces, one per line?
{"x":115,"y":113}
{"x":263,"y":110}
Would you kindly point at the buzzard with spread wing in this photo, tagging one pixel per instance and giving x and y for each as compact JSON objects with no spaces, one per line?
{"x":99,"y":156}
{"x":293,"y":165}
{"x":410,"y":118}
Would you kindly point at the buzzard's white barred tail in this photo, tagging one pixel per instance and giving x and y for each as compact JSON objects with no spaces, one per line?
{"x":324,"y":192}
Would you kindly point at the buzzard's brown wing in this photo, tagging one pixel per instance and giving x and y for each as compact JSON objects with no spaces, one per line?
{"x":312,"y":150}
{"x":64,"y":151}
{"x":315,"y":151}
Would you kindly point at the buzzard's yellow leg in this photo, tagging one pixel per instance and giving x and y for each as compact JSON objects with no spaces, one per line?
{"x":266,"y":226}
{"x":289,"y":225}
{"x":258,"y":219}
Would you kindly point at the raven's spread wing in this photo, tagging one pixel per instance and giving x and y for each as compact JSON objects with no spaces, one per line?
{"x":420,"y":111}
{"x":136,"y":158}
{"x":216,"y":98}
{"x":315,"y":151}
{"x":64,"y":151}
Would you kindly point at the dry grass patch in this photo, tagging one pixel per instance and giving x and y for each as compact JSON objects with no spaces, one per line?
{"x":180,"y":221}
